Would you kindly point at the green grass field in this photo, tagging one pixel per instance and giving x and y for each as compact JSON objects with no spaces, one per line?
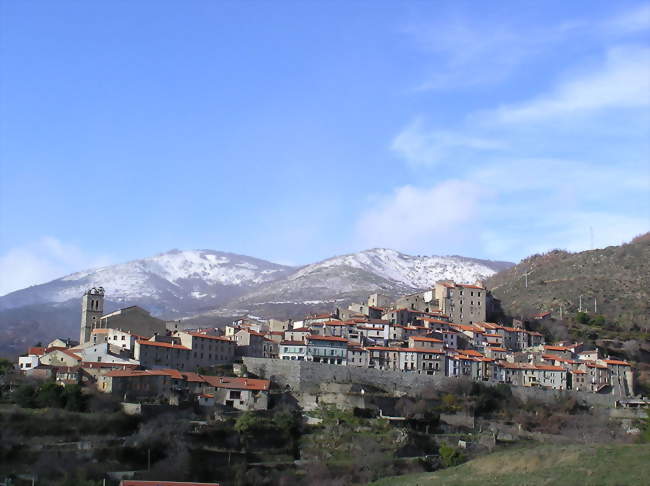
{"x":583,"y":465}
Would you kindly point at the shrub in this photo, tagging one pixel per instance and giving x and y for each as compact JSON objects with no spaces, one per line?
{"x":24,"y":396}
{"x":450,"y":456}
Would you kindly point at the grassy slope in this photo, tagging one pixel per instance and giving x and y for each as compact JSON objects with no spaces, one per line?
{"x":584,"y":465}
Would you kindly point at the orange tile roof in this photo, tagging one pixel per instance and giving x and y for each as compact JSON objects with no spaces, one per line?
{"x":162,"y":345}
{"x":99,"y":330}
{"x":421,"y":350}
{"x":104,"y":364}
{"x":215,"y":338}
{"x":470,"y":352}
{"x":426,"y":339}
{"x":315,"y":337}
{"x":616,"y":362}
{"x":557,"y":348}
{"x":549,"y":368}
{"x":36,"y":350}
{"x":145,"y":373}
{"x":70,"y":353}
{"x":464,"y":327}
{"x":431,"y":319}
{"x":238,"y":383}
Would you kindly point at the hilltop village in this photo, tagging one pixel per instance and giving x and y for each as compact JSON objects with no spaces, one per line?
{"x":440,"y":332}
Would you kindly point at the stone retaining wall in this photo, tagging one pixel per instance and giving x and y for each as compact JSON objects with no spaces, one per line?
{"x":306,"y":377}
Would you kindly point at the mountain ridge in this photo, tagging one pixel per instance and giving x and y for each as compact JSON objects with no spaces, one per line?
{"x":186,"y":283}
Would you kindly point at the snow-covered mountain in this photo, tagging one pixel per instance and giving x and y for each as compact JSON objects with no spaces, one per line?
{"x":211,"y":283}
{"x":376,"y":270}
{"x":416,"y":272}
{"x":171,"y":282}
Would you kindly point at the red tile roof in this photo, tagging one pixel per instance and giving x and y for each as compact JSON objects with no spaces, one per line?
{"x":144,"y":373}
{"x":425,"y":339}
{"x":214,"y":338}
{"x":616,"y":362}
{"x":237,"y":383}
{"x":557,"y":348}
{"x":315,"y":337}
{"x":421,"y":350}
{"x":292,"y":343}
{"x":162,"y":345}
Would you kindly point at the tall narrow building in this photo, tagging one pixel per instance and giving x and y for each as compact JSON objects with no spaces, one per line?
{"x":92,"y":308}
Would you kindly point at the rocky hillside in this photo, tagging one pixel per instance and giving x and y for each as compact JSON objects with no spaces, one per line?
{"x":616,"y":280}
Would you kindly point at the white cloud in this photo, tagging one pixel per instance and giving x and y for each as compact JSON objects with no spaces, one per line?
{"x":42,"y":261}
{"x":622,"y":82}
{"x":420,"y":146}
{"x":413,"y":217}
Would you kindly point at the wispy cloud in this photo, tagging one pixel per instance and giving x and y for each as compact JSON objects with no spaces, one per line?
{"x":42,"y":261}
{"x":533,"y":175}
{"x":467,"y":51}
{"x":622,"y":82}
{"x":421,"y":146}
{"x":412,"y":218}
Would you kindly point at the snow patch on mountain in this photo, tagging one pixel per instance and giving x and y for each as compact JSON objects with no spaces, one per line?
{"x":416,"y":272}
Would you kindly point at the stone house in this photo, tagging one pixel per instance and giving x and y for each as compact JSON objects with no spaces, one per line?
{"x":297,"y":334}
{"x":61,"y":357}
{"x":425,"y":342}
{"x":383,"y":357}
{"x":357,"y":356}
{"x":427,"y":360}
{"x":292,"y":350}
{"x":327,"y":349}
{"x":397,"y":316}
{"x":464,"y":304}
{"x":239,"y":393}
{"x":579,"y":380}
{"x":142,"y":385}
{"x":206,"y":350}
{"x":378,"y":300}
{"x":154,"y":354}
{"x":620,"y":376}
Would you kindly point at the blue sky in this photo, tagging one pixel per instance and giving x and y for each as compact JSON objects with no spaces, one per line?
{"x":294,"y":131}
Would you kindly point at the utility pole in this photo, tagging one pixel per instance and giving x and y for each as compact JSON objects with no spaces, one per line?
{"x":580,"y":306}
{"x":595,"y":306}
{"x":561,"y":313}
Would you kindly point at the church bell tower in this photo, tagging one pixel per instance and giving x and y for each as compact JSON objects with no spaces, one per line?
{"x":92,"y":308}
